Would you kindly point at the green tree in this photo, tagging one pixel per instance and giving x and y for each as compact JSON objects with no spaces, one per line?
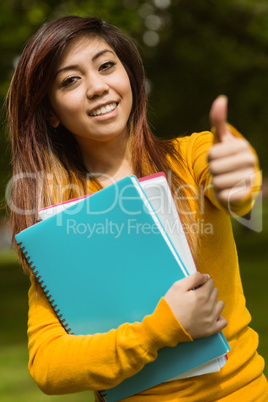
{"x":193,"y":50}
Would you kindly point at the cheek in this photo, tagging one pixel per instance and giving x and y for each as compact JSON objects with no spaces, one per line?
{"x":121,"y":83}
{"x":70,"y":105}
{"x":126,"y":91}
{"x":66,"y":106}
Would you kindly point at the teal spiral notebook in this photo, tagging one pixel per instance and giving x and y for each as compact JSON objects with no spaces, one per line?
{"x":95,"y":257}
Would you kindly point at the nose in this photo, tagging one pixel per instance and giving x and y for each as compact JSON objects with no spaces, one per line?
{"x":96,"y":87}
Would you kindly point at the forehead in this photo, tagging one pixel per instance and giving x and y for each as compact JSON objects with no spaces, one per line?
{"x":85,"y":46}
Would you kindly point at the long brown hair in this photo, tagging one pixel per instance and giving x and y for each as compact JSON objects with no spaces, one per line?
{"x":45,"y":158}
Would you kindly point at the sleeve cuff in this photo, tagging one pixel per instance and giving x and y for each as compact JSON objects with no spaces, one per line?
{"x":161,"y":329}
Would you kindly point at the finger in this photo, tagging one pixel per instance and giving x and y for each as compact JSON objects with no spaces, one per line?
{"x":210,"y":295}
{"x":208,"y":286}
{"x":238,"y":178}
{"x":194,"y":280}
{"x":232,"y":163}
{"x":218,"y":118}
{"x":234,"y":194}
{"x":214,"y":296}
{"x":221,"y":150}
{"x":220,"y":324}
{"x":206,"y":292}
{"x":219,"y":306}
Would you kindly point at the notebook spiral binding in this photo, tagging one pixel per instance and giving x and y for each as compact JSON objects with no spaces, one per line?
{"x":44,"y":287}
{"x":102,"y":393}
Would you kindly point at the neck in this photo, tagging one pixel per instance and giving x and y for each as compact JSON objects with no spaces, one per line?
{"x":110,"y":161}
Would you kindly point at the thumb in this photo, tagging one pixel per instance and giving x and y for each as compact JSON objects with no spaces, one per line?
{"x":194,"y":280}
{"x":218,"y":117}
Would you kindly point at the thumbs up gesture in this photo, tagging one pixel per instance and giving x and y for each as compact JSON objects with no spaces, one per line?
{"x":231,"y":160}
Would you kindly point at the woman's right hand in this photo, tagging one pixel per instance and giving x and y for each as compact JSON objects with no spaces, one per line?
{"x":194,"y":303}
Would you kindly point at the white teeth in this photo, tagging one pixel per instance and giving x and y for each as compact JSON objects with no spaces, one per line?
{"x":104,"y":109}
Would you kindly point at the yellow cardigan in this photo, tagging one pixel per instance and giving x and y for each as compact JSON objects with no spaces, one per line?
{"x":62,"y":363}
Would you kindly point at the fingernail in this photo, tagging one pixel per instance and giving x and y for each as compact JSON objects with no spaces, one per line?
{"x":223,"y":97}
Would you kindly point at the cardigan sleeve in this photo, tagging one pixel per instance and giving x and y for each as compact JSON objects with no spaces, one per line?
{"x":196,"y":156}
{"x":61,"y":363}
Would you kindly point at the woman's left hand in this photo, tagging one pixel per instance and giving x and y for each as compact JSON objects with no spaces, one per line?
{"x":231,"y":161}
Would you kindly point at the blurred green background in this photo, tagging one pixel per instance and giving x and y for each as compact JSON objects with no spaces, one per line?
{"x":192,"y":50}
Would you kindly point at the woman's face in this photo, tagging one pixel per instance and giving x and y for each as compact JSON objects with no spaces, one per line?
{"x":91,"y":95}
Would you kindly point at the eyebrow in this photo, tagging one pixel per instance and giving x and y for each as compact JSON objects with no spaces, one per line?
{"x":76,"y":66}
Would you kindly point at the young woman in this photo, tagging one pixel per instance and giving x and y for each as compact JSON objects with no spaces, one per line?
{"x":77,"y":118}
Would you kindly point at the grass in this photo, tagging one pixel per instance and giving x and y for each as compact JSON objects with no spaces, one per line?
{"x":16,"y":383}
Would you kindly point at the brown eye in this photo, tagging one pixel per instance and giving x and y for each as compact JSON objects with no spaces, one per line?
{"x":107,"y":65}
{"x":69,"y":81}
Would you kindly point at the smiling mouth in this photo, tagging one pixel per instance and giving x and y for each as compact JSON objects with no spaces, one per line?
{"x":103,"y":110}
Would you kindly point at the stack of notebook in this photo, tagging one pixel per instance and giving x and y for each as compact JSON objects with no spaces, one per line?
{"x":107,"y":259}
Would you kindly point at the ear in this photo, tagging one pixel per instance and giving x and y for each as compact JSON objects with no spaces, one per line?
{"x":53,"y":119}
